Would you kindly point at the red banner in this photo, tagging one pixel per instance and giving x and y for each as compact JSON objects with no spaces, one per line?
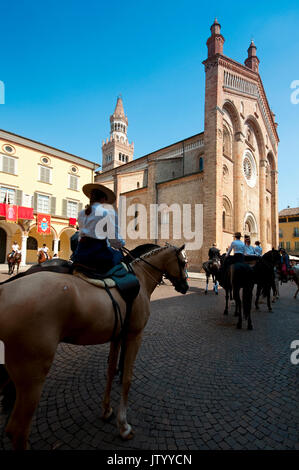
{"x":43,"y":223}
{"x":23,"y":212}
{"x":11,"y":213}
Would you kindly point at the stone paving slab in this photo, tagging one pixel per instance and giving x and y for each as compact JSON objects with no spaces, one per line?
{"x":198,"y":382}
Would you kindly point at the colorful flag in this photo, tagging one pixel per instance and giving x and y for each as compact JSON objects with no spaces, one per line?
{"x":11,"y":213}
{"x":44,"y":224}
{"x":72,"y":221}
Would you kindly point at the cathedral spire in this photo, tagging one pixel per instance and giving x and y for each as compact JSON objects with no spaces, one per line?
{"x":252,"y":60}
{"x":119,"y":108}
{"x":216,"y":40}
{"x":117,"y":150}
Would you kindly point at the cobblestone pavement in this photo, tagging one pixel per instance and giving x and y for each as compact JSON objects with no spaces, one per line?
{"x":198,"y":382}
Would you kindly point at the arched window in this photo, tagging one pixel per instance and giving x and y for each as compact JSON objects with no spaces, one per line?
{"x":31,"y":243}
{"x":201,"y":164}
{"x":227,"y":215}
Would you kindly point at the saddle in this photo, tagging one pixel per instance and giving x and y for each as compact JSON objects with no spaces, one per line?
{"x":120,"y":276}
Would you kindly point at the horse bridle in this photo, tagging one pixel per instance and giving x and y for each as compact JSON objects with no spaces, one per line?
{"x":172,"y":279}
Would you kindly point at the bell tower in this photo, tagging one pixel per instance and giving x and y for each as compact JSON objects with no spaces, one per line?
{"x":117,"y":150}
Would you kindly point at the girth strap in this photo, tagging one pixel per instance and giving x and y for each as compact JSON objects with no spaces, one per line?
{"x":117,"y":313}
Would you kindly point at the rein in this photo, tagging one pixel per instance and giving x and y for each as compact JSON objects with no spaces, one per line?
{"x":128,"y":252}
{"x":170,"y":278}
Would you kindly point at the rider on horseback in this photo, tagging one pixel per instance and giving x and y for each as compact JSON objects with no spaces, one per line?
{"x":239,"y":249}
{"x":99,"y":238}
{"x":214,"y":253}
{"x":45,"y":249}
{"x":15,"y":249}
{"x":285,"y":265}
{"x":258,"y":249}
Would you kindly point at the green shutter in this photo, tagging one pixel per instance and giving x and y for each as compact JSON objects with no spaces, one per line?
{"x":19,"y":195}
{"x":35,"y":201}
{"x":64,"y":208}
{"x":53,"y":205}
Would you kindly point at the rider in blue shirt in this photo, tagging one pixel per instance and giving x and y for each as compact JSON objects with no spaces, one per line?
{"x":238,"y":247}
{"x":99,"y":235}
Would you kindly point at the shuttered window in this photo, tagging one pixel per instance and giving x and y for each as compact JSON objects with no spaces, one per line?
{"x":7,"y":195}
{"x":72,"y":209}
{"x":8,"y":164}
{"x":43,"y":204}
{"x":73,"y":182}
{"x":45,"y":174}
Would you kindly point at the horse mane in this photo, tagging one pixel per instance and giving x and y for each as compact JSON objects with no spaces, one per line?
{"x":156,"y":250}
{"x":139,"y":251}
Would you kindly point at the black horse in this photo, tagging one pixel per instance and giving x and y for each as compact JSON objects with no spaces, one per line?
{"x":233,"y":278}
{"x":211,"y":268}
{"x":264,"y":276}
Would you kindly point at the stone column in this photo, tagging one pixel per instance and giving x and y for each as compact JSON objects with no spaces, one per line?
{"x":274,"y":209}
{"x":263,"y":212}
{"x":56,"y":245}
{"x":152,"y":198}
{"x":9,"y":241}
{"x":24,"y":248}
{"x":239,"y":211}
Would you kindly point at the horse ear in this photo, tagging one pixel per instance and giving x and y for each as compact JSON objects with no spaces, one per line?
{"x":182,"y":248}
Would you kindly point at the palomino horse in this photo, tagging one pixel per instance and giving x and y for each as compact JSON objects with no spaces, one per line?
{"x":13,"y":261}
{"x":74,"y":311}
{"x":42,"y":257}
{"x":211,"y":268}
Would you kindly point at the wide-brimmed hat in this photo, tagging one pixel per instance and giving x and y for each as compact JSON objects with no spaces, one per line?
{"x":238,"y":235}
{"x":87,"y":188}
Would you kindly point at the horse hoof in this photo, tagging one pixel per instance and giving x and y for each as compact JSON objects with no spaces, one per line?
{"x":206,"y":292}
{"x":249,"y":327}
{"x":108,"y":414}
{"x":128,"y":433}
{"x":225,"y":312}
{"x":270,"y":310}
{"x":239,"y":327}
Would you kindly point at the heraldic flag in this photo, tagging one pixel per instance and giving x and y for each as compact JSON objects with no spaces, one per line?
{"x":11,"y":213}
{"x":44,"y":224}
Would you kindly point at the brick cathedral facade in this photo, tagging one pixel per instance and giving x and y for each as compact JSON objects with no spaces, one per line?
{"x":230,"y":168}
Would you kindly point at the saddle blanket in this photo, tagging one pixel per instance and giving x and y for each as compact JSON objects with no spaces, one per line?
{"x":120,"y":276}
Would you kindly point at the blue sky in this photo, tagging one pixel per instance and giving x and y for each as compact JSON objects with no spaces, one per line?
{"x":64,"y":63}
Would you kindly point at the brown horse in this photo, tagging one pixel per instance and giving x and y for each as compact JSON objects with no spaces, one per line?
{"x":42,"y":257}
{"x":74,"y":311}
{"x":13,"y":261}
